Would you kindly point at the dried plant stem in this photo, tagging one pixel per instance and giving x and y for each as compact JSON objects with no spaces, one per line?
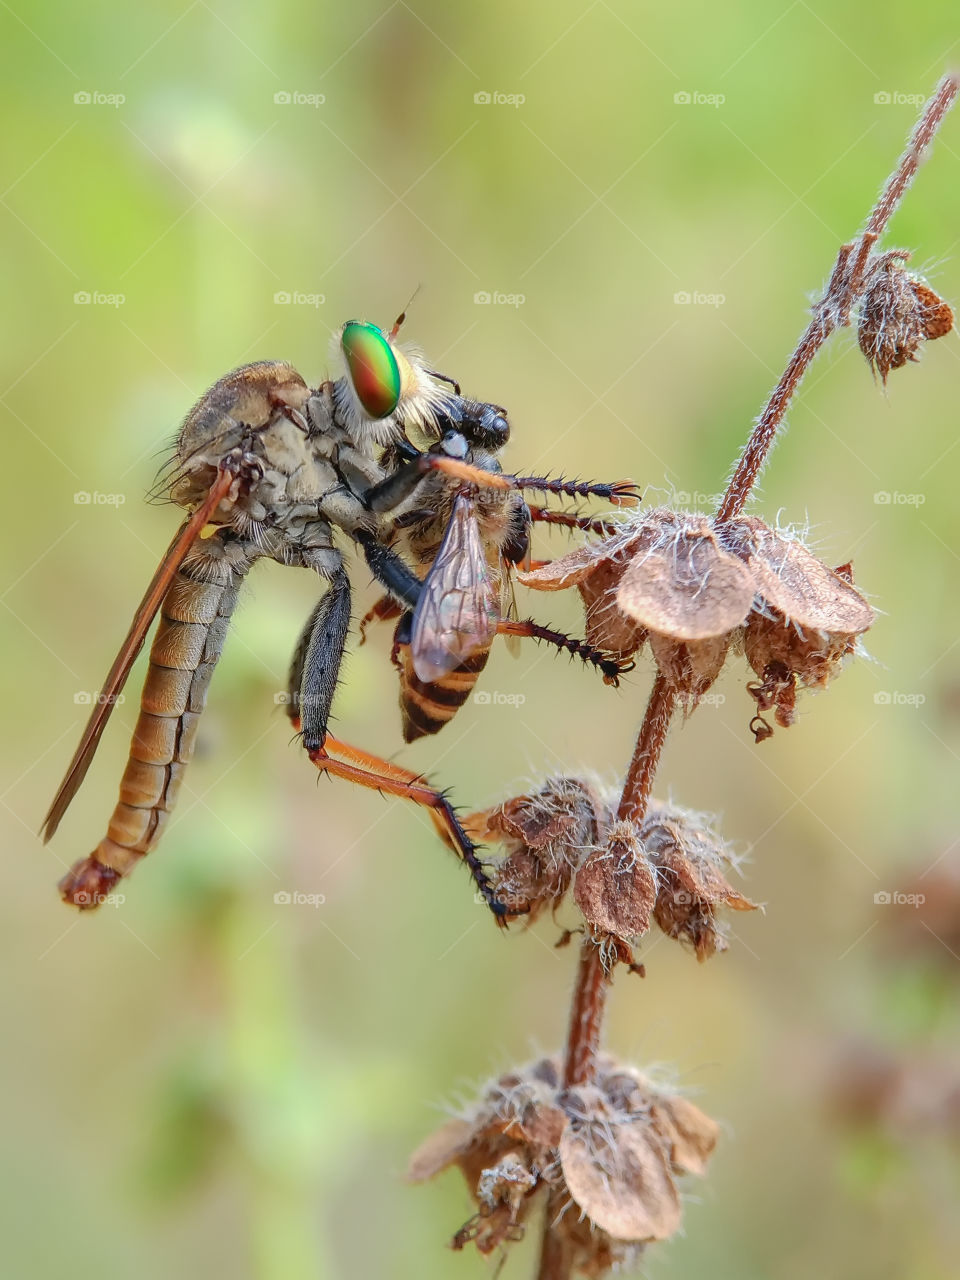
{"x":638,"y":786}
{"x":586,"y":1016}
{"x":556,"y":1262}
{"x":845,"y":285}
{"x":593,"y":980}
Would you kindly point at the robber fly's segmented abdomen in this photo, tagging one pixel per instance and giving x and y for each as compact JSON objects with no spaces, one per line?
{"x":193,"y":622}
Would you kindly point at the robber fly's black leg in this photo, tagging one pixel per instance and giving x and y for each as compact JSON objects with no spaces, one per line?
{"x":390,"y":570}
{"x":397,"y":487}
{"x":316,"y":662}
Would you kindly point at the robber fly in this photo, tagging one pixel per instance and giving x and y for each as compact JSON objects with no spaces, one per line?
{"x":464,"y":539}
{"x":267,"y":467}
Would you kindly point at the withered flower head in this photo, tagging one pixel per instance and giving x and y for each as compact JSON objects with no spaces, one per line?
{"x":693,"y":587}
{"x":898,"y":313}
{"x":609,"y":1154}
{"x":671,"y":868}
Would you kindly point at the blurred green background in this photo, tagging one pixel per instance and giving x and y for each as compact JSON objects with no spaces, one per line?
{"x":205,"y":1081}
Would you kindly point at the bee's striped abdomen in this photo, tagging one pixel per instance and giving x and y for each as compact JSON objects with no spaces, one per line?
{"x":426,"y":707}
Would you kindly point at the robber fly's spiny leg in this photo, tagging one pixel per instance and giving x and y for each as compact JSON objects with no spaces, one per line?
{"x":380,"y":775}
{"x":389,"y":570}
{"x":611,"y":668}
{"x":313,"y":680}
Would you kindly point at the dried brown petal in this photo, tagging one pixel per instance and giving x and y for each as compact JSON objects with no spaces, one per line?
{"x":685,"y":585}
{"x":567,"y":570}
{"x":936,"y":316}
{"x":438,"y":1152}
{"x":615,"y":887}
{"x":795,"y":582}
{"x":607,"y":626}
{"x":543,"y":1125}
{"x":620,"y":1178}
{"x":689,"y":1133}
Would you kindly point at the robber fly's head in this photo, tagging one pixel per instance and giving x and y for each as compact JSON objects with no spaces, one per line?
{"x":386,"y":388}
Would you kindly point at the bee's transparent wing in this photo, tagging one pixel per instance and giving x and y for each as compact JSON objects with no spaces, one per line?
{"x":456,"y":616}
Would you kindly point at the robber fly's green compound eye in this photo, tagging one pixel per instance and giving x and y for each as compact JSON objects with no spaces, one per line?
{"x":372,"y":367}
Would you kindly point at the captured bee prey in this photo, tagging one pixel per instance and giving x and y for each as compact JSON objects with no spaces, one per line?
{"x":392,"y":458}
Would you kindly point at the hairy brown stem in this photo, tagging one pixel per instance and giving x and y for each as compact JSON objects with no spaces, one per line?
{"x":844,"y":287}
{"x":586,"y":1016}
{"x":846,"y":284}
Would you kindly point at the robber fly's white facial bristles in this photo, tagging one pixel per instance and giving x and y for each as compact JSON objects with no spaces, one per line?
{"x":422,"y":396}
{"x":379,"y":371}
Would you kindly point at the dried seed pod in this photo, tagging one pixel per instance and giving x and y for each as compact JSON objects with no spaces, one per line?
{"x":608,"y":1153}
{"x":690,"y":860}
{"x":691,"y":666}
{"x":545,"y":834}
{"x":898,"y":313}
{"x":615,"y":887}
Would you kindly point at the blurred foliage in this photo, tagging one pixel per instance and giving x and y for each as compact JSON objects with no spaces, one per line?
{"x":274,"y":1064}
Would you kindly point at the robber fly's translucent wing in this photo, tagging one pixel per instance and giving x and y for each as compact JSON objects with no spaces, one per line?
{"x":456,"y":615}
{"x":133,"y":643}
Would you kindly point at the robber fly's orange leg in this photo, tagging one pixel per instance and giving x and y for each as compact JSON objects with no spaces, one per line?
{"x":381,"y":775}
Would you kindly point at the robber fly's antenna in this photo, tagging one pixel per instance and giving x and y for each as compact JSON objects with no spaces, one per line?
{"x":403,"y":314}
